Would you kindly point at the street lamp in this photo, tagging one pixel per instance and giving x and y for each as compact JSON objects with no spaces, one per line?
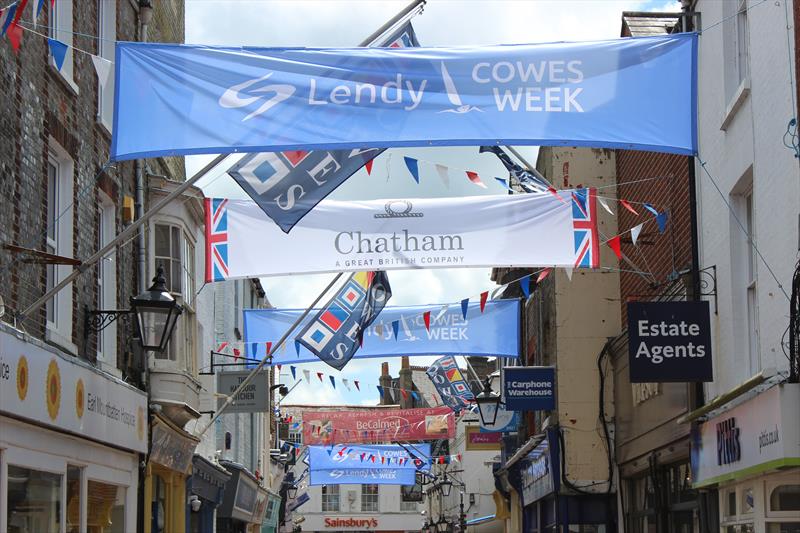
{"x":488,"y":404}
{"x":291,"y":492}
{"x":156,"y":313}
{"x":445,"y":487}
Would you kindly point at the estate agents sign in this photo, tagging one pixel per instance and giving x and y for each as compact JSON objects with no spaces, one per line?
{"x":669,"y":342}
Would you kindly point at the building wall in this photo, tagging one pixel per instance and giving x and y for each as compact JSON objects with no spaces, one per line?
{"x":581,"y":315}
{"x":751,"y":139}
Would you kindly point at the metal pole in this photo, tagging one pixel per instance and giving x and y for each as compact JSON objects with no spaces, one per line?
{"x":267,"y":357}
{"x":527,"y":164}
{"x":462,"y":518}
{"x":394,"y":20}
{"x":120,"y":238}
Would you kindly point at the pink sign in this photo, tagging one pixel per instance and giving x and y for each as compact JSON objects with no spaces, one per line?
{"x":482,"y":441}
{"x":377,"y":425}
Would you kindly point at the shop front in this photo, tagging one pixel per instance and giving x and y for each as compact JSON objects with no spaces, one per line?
{"x":206,"y":488}
{"x":244,"y":504}
{"x":547,"y":506}
{"x":750,"y":454}
{"x":166,"y":474}
{"x":70,"y":442}
{"x":385,"y":522}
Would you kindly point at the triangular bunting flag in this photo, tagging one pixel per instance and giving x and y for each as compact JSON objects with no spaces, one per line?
{"x":395,"y":328}
{"x":442,"y":171}
{"x":319,"y":375}
{"x":307,"y":375}
{"x":12,"y":10}
{"x":628,"y":206}
{"x":464,"y":307}
{"x":613,"y":243}
{"x":236,"y":354}
{"x":103,"y":68}
{"x":525,"y":285}
{"x":543,"y":274}
{"x":39,"y":8}
{"x":59,"y":51}
{"x":605,"y":205}
{"x":474,"y":178}
{"x":355,"y":382}
{"x":404,"y":393}
{"x":504,"y":183}
{"x":294,"y":372}
{"x":413,"y":167}
{"x":442,"y":311}
{"x":661,"y":218}
{"x":635,"y":231}
{"x":568,"y":272}
{"x":15,"y":36}
{"x":650,"y":208}
{"x":368,"y":166}
{"x":415,"y":395}
{"x":297,"y":347}
{"x":484,"y":297}
{"x":269,"y":348}
{"x":346,"y":383}
{"x":426,"y":316}
{"x":333,"y":381}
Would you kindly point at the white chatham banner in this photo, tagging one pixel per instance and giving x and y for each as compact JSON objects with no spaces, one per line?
{"x":481,"y":231}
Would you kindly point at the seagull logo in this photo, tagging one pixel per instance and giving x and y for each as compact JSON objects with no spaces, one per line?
{"x":453,"y":96}
{"x":233,"y":97}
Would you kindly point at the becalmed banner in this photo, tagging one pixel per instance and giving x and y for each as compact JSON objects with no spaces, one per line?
{"x":174,"y":99}
{"x":525,"y":230}
{"x":491,"y":333}
{"x":377,"y":425}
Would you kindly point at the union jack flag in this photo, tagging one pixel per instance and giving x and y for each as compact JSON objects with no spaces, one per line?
{"x":584,"y":220}
{"x":216,"y":239}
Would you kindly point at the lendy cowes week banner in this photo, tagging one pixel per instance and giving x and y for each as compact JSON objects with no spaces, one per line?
{"x":176,"y":99}
{"x":377,"y":425}
{"x":491,"y":333}
{"x":525,"y":230}
{"x":379,"y":464}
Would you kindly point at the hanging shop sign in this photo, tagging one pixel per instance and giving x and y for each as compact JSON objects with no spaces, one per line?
{"x":476,"y":440}
{"x":491,"y":333}
{"x":506,"y":422}
{"x":377,"y":425}
{"x":297,"y":502}
{"x":253,"y":399}
{"x":40,"y":384}
{"x":756,"y":436}
{"x":539,"y":472}
{"x":529,"y":388}
{"x":388,"y":464}
{"x":172,"y":447}
{"x":669,"y":341}
{"x":472,"y":231}
{"x":182,"y":99}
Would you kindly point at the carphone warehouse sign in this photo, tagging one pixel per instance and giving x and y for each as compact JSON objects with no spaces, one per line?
{"x":529,"y":388}
{"x":669,"y":342}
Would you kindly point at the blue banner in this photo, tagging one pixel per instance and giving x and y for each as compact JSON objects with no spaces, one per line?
{"x":174,"y":99}
{"x":493,"y":333}
{"x":334,"y":333}
{"x":453,"y":389}
{"x":529,"y":388}
{"x":287,"y":185}
{"x":386,"y":464}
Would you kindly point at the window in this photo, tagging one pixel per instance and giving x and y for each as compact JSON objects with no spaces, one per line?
{"x":735,"y":54}
{"x":295,"y":436}
{"x":737,"y":509}
{"x":60,"y":27}
{"x":59,"y":213}
{"x":330,"y":498}
{"x":410,"y":495}
{"x":785,"y":498}
{"x":369,"y":498}
{"x":107,"y":25}
{"x":750,"y":283}
{"x":106,"y":512}
{"x":106,"y":279}
{"x":34,"y":499}
{"x":73,"y":499}
{"x":168,"y":244}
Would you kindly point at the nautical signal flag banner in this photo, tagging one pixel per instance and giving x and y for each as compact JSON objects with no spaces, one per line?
{"x":175,"y":99}
{"x":450,"y":383}
{"x":287,"y":185}
{"x":334,"y":333}
{"x":491,"y":333}
{"x":524,"y":230}
{"x":377,"y":425}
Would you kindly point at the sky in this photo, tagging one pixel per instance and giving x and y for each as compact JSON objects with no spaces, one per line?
{"x":315,"y":23}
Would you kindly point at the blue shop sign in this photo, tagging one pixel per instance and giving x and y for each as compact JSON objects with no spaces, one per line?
{"x":538,"y":471}
{"x":529,"y":388}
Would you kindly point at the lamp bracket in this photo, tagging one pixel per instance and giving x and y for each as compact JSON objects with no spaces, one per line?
{"x":97,"y":320}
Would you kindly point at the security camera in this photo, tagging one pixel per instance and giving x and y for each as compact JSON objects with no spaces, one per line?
{"x":195,"y":503}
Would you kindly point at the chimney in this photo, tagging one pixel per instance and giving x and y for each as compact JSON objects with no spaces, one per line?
{"x":405,"y":382}
{"x":385,"y":382}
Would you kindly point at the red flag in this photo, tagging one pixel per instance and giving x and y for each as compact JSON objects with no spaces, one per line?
{"x":20,"y":10}
{"x":368,"y":166}
{"x":628,"y":206}
{"x":404,"y":393}
{"x":383,"y":459}
{"x":222,"y":346}
{"x":15,"y":36}
{"x":474,"y":178}
{"x":269,"y":347}
{"x":279,"y":368}
{"x":236,"y":354}
{"x":614,"y":244}
{"x":426,"y":316}
{"x":543,"y":274}
{"x":372,"y":457}
{"x":319,"y":375}
{"x":356,"y":384}
{"x":484,"y":297}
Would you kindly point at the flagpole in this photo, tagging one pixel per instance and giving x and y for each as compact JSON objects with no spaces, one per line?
{"x":415,"y":4}
{"x":122,"y":237}
{"x":267,"y":357}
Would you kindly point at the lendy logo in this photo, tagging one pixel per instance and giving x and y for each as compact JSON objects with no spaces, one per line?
{"x":232,"y":98}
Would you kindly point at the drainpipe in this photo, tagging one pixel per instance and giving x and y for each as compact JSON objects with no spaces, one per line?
{"x":145,"y":16}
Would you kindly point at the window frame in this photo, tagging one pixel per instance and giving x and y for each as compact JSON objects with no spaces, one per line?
{"x":778,"y":516}
{"x":370,"y":497}
{"x":329,"y":494}
{"x":107,"y":280}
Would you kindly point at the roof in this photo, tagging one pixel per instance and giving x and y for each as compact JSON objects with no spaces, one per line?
{"x":647,"y":24}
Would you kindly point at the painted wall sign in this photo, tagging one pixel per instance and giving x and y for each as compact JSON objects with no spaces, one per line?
{"x":255,"y":397}
{"x":529,"y":388}
{"x":758,"y":435}
{"x":175,"y":99}
{"x":477,"y":440}
{"x":377,"y":425}
{"x":40,"y":384}
{"x":669,"y":341}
